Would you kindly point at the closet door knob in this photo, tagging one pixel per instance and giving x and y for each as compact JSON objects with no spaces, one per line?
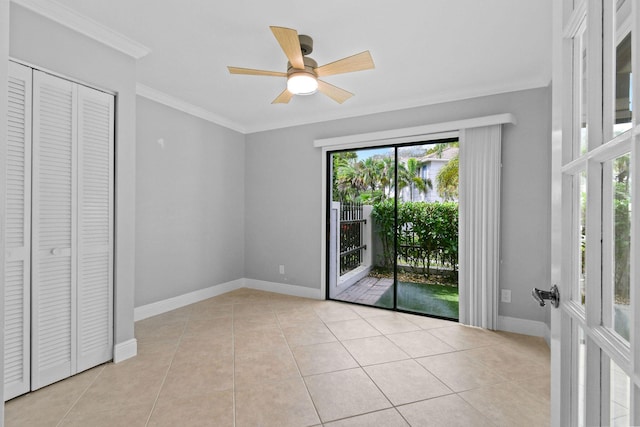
{"x":55,"y":251}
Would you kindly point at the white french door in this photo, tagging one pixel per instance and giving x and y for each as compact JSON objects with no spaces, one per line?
{"x":595,"y":334}
{"x":59,"y":219}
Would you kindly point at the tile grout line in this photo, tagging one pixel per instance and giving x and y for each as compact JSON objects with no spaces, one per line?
{"x":298,"y":367}
{"x":359,"y":364}
{"x":155,"y":402}
{"x":474,"y":407}
{"x":365,"y":413}
{"x":79,"y":397}
{"x":369,"y":376}
{"x":362,"y":367}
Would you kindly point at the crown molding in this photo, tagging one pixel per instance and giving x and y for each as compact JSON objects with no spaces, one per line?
{"x":178,"y":104}
{"x":72,"y":19}
{"x":435,"y":99}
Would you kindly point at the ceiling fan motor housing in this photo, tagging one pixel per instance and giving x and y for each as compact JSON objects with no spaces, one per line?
{"x":306,"y":44}
{"x":310,"y":66}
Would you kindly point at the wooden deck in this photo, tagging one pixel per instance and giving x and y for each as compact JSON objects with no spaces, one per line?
{"x":366,"y":291}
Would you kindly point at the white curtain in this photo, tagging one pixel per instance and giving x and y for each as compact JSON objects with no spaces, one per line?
{"x":479,"y":239}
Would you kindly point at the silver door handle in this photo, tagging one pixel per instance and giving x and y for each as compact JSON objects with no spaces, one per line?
{"x":55,"y":251}
{"x":552,"y":295}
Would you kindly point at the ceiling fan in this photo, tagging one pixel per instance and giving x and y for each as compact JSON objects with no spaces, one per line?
{"x":303,"y":72}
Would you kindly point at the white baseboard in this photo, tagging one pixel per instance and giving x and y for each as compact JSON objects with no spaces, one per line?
{"x":125,"y":350}
{"x":159,"y":307}
{"x":283,"y":288}
{"x":522,"y":326}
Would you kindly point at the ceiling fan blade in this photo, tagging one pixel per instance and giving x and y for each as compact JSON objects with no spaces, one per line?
{"x":334,"y":92}
{"x":290,"y":44}
{"x":252,"y":72}
{"x":283,"y":98}
{"x":358,"y":62}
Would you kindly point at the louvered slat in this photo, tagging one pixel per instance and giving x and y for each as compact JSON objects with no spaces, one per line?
{"x":16,"y":166}
{"x":95,"y":228}
{"x":54,"y":219}
{"x":17,"y":234}
{"x":94,"y":312}
{"x":14,"y":329}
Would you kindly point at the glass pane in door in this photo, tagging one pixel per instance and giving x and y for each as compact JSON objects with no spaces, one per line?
{"x":427,"y":251}
{"x":361,"y":254}
{"x":622,"y":68}
{"x":580,"y":90}
{"x":618,"y":238}
{"x":623,"y":87}
{"x":619,"y":397}
{"x":580,"y":196}
{"x":580,"y":354}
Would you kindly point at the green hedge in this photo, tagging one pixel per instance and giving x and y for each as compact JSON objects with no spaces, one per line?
{"x":428,"y":233}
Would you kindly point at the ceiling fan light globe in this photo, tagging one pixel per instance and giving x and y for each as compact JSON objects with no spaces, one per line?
{"x":302,"y":84}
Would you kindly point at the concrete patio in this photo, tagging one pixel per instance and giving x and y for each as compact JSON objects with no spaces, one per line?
{"x":367,"y":290}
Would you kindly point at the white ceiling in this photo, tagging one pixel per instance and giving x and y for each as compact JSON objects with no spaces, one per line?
{"x":425,"y":51}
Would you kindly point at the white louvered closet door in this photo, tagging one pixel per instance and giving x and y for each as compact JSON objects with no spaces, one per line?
{"x":18,"y":234}
{"x":95,"y":227}
{"x":54,"y":220}
{"x":59,"y":230}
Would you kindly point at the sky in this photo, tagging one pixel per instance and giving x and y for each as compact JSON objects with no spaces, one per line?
{"x":365,"y":154}
{"x":403,"y":151}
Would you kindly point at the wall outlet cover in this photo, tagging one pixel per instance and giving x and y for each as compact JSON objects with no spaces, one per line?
{"x":505,"y":295}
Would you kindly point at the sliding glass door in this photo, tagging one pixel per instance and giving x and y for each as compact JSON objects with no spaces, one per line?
{"x":360,"y":254}
{"x":393,"y":227}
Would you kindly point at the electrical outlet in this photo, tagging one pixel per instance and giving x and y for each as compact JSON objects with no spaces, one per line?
{"x":505,"y":295}
{"x":282,"y":269}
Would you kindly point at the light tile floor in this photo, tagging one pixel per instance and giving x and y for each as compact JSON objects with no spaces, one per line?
{"x":252,"y":358}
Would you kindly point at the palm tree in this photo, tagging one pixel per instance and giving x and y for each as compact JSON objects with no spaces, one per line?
{"x":387,"y":176}
{"x":447,"y":179}
{"x":372,"y":170}
{"x":409,"y":176}
{"x":350,"y":181}
{"x":347,"y":177}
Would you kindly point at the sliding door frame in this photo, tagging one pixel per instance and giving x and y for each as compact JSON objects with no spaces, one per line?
{"x":327,"y":193}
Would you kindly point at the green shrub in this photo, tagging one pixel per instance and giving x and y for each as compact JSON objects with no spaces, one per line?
{"x":427,"y":233}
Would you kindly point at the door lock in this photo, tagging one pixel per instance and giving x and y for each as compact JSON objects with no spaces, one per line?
{"x":552,"y":295}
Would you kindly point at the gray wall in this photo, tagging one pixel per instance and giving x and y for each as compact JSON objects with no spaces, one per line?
{"x":283,"y":192}
{"x":189,"y":203}
{"x":283,"y":206}
{"x":52,"y":47}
